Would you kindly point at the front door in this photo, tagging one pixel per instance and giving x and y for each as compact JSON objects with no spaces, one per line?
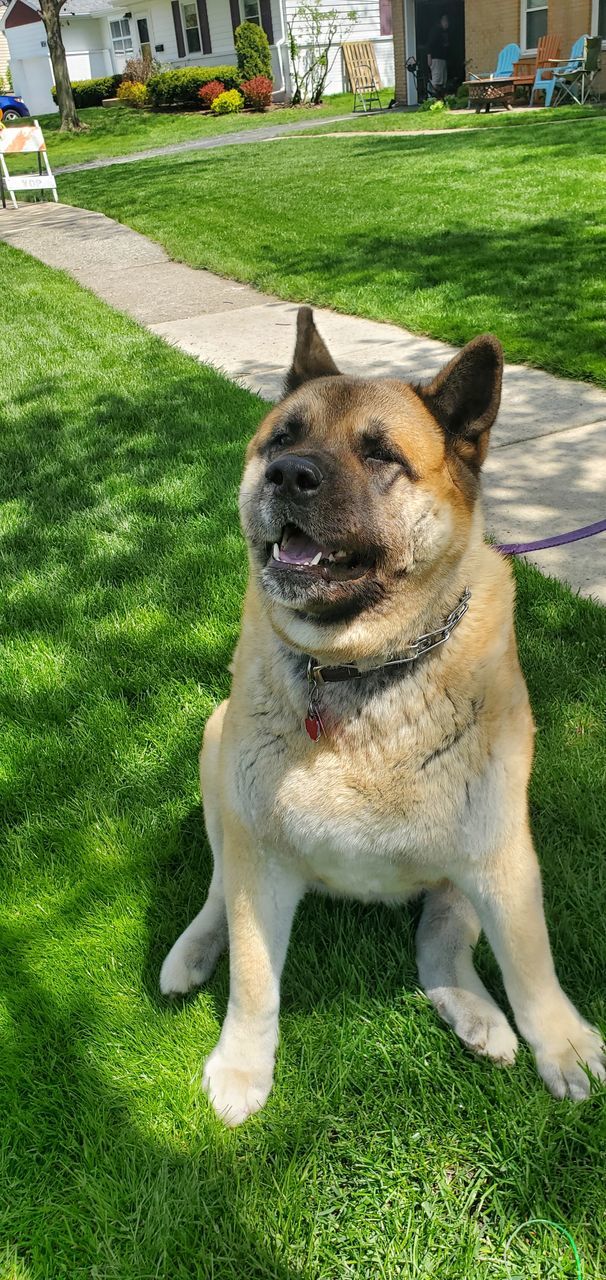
{"x":144,"y":35}
{"x":427,"y":18}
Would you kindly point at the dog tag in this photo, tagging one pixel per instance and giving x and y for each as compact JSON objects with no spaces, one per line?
{"x":313,"y":727}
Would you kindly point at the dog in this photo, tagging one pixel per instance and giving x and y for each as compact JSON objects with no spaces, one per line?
{"x":378,"y":740}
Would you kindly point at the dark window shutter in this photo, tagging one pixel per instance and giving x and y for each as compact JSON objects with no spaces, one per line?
{"x":266,"y":22}
{"x":234,"y":9}
{"x":204,"y":27}
{"x":178,"y":28}
{"x":385,"y":17}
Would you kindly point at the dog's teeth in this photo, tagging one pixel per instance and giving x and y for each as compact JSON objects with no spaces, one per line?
{"x":331,"y":557}
{"x":316,"y":559}
{"x":276,"y":551}
{"x":340,"y":555}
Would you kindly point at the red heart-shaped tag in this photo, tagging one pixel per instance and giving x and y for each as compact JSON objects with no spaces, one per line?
{"x":313,"y":727}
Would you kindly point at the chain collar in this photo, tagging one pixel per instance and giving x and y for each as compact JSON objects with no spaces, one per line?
{"x":318,"y":675}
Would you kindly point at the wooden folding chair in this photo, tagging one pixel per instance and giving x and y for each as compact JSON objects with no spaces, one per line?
{"x":363,"y":74}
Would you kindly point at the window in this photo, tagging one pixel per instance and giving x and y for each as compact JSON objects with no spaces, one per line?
{"x":601,"y":31}
{"x":121,"y":37}
{"x":535,"y":21}
{"x":251,"y":11}
{"x":191,"y":28}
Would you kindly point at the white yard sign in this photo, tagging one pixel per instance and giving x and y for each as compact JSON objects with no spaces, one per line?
{"x":26,"y":139}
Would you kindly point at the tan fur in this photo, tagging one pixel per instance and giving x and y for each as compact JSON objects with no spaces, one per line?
{"x":418,"y":785}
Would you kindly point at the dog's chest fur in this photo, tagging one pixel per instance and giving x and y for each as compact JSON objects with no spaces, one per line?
{"x":400,"y":785}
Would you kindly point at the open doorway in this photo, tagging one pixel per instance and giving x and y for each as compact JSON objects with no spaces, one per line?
{"x":427,"y":18}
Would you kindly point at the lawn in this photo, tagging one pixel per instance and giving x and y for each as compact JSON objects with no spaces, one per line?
{"x":448,"y":235}
{"x":385,"y":1150}
{"x":118,"y":131}
{"x":397,"y":121}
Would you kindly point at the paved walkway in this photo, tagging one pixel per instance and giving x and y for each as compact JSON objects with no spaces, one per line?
{"x":265,"y":133}
{"x":546,"y":470}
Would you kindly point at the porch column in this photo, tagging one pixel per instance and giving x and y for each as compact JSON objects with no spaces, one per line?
{"x":399,"y":47}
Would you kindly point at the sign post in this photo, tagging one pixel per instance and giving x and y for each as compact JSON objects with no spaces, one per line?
{"x":26,"y":139}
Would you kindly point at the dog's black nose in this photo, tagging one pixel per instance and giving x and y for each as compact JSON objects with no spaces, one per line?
{"x":293,"y":475}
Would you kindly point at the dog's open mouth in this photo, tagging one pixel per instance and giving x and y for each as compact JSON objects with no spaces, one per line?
{"x":297,"y":551}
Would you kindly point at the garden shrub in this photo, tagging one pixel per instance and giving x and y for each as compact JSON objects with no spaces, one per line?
{"x":209,"y":92}
{"x":140,"y":70}
{"x":227,"y":102}
{"x":257,"y":92}
{"x":252,"y":50}
{"x":134,"y":94}
{"x":180,"y":86}
{"x":90,"y":93}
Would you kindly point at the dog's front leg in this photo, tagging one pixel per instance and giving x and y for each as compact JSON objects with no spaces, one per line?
{"x":261,"y":896}
{"x":508,"y":898}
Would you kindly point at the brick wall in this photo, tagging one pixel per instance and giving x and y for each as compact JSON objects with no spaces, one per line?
{"x":399,"y":52}
{"x":488,"y":26}
{"x":569,"y":19}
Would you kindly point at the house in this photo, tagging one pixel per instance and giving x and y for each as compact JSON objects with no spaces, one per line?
{"x":100,"y":35}
{"x":480,"y":28}
{"x":4,"y":53}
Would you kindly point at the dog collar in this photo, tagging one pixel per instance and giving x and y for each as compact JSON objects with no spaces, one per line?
{"x":317,"y":675}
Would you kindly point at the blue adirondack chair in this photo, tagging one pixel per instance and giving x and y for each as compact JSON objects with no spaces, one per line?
{"x":504,"y":68}
{"x":548,"y":79}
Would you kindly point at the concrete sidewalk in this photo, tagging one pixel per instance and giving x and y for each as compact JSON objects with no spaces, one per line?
{"x":546,"y":470}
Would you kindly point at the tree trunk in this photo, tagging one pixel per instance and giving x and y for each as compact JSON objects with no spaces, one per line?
{"x":65,"y":98}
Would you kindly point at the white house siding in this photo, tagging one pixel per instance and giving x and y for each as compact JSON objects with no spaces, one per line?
{"x":85,"y":41}
{"x":367,"y":26}
{"x":4,"y":53}
{"x":162,"y":31}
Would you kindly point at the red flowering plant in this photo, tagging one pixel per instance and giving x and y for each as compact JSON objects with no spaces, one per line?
{"x":209,"y":92}
{"x":257,"y":92}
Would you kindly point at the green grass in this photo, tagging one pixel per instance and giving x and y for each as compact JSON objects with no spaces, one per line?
{"x":397,"y":121}
{"x":448,"y":235}
{"x":385,"y":1150}
{"x":118,"y":131}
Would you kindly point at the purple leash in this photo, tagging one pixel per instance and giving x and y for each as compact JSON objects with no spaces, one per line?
{"x":558,"y":540}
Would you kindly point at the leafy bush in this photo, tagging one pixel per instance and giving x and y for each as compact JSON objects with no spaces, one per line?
{"x":252,"y":50}
{"x":227,"y":102}
{"x":134,"y":94}
{"x":179,"y":87}
{"x":140,"y":70}
{"x":257,"y":92}
{"x":433,"y":104}
{"x":90,"y":93}
{"x":209,"y":92}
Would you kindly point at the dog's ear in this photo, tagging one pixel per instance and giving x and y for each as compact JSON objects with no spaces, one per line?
{"x":464,"y":397}
{"x":311,"y":358}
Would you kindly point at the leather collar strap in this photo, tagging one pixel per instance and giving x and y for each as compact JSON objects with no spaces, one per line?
{"x":318,"y":675}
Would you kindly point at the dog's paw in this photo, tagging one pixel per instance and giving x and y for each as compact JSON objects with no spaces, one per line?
{"x":235,"y":1092}
{"x":479,"y":1024}
{"x":190,"y":963}
{"x":565,"y":1068}
{"x":491,"y":1037}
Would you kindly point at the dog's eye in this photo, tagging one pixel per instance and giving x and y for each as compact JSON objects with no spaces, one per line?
{"x":380,"y":453}
{"x":282,"y":440}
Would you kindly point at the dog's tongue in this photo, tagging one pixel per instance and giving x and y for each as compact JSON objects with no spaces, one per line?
{"x":297,"y":548}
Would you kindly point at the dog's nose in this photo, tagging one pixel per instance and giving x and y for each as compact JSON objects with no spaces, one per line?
{"x":293,"y":475}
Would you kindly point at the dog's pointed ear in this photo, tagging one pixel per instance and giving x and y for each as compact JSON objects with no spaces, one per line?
{"x":311,"y":359}
{"x":465,"y":395}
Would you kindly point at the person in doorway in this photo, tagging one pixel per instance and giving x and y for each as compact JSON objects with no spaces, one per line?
{"x":437,"y":56}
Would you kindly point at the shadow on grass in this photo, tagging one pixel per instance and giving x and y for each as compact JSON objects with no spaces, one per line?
{"x":123,"y":573}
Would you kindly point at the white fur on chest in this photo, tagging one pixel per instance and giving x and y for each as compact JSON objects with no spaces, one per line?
{"x":373,"y":818}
